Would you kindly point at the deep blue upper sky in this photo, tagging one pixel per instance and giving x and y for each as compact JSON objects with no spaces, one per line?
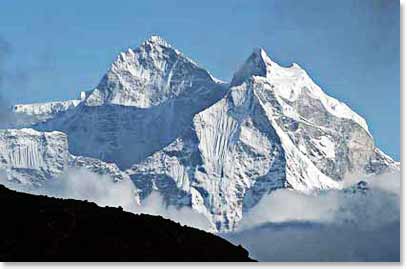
{"x":51,"y":50}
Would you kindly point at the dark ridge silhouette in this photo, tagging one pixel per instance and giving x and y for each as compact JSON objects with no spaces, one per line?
{"x":40,"y":229}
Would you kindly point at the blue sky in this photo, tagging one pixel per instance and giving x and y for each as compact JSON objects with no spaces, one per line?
{"x":51,"y":50}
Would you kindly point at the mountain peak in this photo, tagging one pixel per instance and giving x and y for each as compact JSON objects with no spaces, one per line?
{"x":261,"y":53}
{"x":150,"y":75}
{"x":157,"y":40}
{"x":255,"y":65}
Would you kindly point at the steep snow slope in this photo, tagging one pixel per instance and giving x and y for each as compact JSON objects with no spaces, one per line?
{"x":216,"y":162}
{"x":259,"y":138}
{"x":147,"y":99}
{"x":31,"y":157}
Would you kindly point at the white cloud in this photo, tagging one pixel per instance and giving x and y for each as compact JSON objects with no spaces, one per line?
{"x":154,"y":205}
{"x":379,"y":204}
{"x":333,"y":226}
{"x":286,"y":205}
{"x":81,"y":184}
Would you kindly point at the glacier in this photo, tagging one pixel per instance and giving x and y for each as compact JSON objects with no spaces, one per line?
{"x":36,"y":158}
{"x":160,"y":120}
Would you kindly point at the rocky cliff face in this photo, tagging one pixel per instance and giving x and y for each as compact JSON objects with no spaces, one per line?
{"x":218,"y":148}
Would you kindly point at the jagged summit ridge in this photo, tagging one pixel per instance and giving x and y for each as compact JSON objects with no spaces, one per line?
{"x":156,"y":39}
{"x":148,"y":76}
{"x":292,"y":83}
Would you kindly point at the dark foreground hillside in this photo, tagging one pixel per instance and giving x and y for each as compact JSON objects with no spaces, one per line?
{"x":39,"y":228}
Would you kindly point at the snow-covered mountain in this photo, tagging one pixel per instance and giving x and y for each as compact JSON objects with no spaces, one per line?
{"x":30,"y":114}
{"x":216,"y":147}
{"x":152,"y":75}
{"x":147,"y":99}
{"x":31,"y":157}
{"x":275,"y":128}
